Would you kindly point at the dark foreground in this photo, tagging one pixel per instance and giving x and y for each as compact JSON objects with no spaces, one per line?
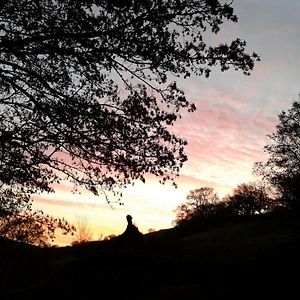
{"x":241,"y":260}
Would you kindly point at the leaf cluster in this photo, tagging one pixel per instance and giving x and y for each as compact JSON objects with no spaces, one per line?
{"x":85,"y":93}
{"x":20,"y":222}
{"x":281,"y":169}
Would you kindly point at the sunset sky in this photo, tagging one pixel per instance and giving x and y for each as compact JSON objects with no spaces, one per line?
{"x":225,"y":135}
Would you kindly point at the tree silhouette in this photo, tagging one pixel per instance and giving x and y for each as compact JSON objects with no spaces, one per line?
{"x":199,"y":204}
{"x":18,"y":221}
{"x":249,"y":199}
{"x":282,"y":169}
{"x":85,"y":91}
{"x":83,"y":231}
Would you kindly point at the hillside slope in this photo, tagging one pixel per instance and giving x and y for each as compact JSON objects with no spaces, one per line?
{"x":241,"y":260}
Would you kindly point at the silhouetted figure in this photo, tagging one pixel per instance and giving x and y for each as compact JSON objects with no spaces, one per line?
{"x":132,"y":237}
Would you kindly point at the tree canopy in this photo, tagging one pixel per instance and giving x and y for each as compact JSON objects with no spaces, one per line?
{"x":249,"y":199}
{"x":199,"y":204}
{"x":85,"y":90}
{"x":203,"y":206}
{"x":282,"y":168}
{"x":20,"y":222}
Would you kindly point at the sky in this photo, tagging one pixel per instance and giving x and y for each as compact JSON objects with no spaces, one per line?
{"x":225,"y":135}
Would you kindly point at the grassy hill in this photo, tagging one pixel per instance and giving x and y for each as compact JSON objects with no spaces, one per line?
{"x":242,"y":259}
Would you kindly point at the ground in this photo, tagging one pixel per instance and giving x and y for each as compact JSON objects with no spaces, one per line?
{"x":246,"y":258}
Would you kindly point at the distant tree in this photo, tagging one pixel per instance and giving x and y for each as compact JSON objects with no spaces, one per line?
{"x":282,"y":169}
{"x":33,"y":227}
{"x":249,"y":199}
{"x":199,"y":203}
{"x":18,"y":221}
{"x":83,"y":231}
{"x":85,"y":91}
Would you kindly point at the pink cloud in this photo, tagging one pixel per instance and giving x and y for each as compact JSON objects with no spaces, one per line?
{"x":224,"y":140}
{"x":45,"y":200}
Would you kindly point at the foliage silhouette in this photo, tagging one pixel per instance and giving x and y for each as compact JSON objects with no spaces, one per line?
{"x":282,"y":169}
{"x":19,"y":222}
{"x":85,"y":89}
{"x":199,"y":204}
{"x":203,"y":209}
{"x":250,"y":199}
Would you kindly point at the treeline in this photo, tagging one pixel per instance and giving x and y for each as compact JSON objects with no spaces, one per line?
{"x":203,"y":207}
{"x":278,"y":188}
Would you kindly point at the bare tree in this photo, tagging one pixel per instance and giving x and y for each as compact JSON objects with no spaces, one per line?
{"x":83,"y":231}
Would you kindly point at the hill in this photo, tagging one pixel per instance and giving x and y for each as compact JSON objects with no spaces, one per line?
{"x":243,"y":259}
